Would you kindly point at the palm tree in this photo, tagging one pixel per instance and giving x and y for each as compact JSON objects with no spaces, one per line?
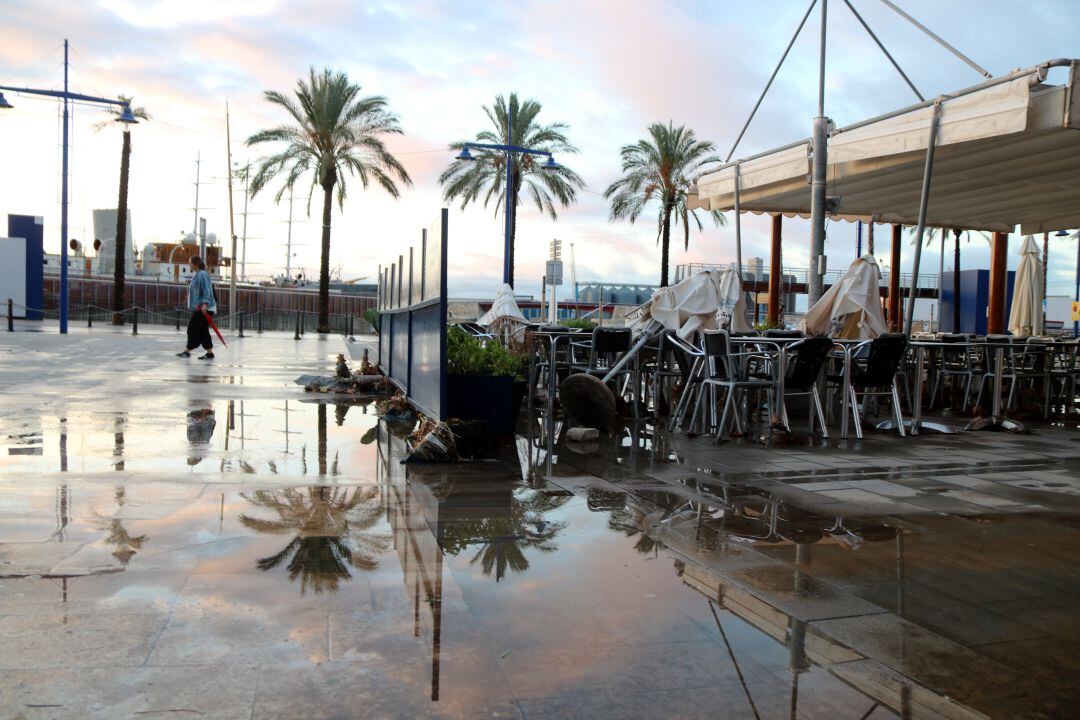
{"x":122,"y":203}
{"x":661,"y":168}
{"x":335,"y":132}
{"x":331,"y":528}
{"x":485,"y":175}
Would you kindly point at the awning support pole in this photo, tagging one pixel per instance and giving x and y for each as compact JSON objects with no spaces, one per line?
{"x":738,"y":229}
{"x":818,"y":175}
{"x":995,"y":315}
{"x":882,"y":47}
{"x":771,"y":78}
{"x":924,"y":199}
{"x":938,"y":39}
{"x":775,"y":270}
{"x":894,"y":280}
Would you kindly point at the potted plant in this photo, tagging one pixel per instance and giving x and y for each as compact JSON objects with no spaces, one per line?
{"x":484,"y":381}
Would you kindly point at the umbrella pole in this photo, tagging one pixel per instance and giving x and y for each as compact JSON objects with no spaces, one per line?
{"x":924,"y":199}
{"x":646,"y":335}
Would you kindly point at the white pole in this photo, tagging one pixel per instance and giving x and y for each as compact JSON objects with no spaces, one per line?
{"x":232,"y":223}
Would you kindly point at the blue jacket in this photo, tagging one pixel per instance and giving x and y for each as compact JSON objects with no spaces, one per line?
{"x":200,"y":291}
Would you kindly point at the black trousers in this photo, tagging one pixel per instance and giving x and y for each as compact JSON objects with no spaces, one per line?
{"x":198,"y":332}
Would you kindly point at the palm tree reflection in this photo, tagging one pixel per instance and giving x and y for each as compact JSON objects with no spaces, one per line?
{"x":332,"y":532}
{"x":504,"y":540}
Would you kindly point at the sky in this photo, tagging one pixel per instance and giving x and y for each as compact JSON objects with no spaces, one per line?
{"x":607,"y":69}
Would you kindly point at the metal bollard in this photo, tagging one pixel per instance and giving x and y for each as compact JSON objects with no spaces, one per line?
{"x":178,"y":319}
{"x":89,"y":317}
{"x":350,"y":326}
{"x":258,"y":314}
{"x":241,"y":322}
{"x":297,"y":335}
{"x":10,"y":316}
{"x":135,"y":320}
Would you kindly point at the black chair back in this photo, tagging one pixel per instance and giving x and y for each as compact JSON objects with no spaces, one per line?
{"x":804,"y":363}
{"x":879,"y":366}
{"x":718,"y":352}
{"x":611,"y":340}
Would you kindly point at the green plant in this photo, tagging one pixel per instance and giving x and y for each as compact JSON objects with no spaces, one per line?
{"x":371,"y":317}
{"x":583,"y":323}
{"x":466,"y":355}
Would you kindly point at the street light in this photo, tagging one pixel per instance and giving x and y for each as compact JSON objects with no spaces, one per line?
{"x":126,"y":117}
{"x":510,"y":151}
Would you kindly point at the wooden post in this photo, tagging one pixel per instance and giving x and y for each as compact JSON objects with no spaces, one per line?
{"x":775,"y":271}
{"x":999,"y":252}
{"x":895,"y":321}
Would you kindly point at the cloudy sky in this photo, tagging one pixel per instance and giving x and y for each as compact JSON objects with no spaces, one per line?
{"x":608,"y":69}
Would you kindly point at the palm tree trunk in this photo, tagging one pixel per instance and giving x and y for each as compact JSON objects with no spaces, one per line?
{"x":665,"y":244}
{"x":324,"y":263}
{"x":956,"y":282}
{"x":121,"y":233}
{"x":513,"y":225}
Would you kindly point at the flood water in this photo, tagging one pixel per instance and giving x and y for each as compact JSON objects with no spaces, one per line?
{"x":218,"y":553}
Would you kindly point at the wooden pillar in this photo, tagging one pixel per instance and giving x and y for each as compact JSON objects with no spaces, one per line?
{"x":999,"y":252}
{"x":775,"y":271}
{"x":895,"y":321}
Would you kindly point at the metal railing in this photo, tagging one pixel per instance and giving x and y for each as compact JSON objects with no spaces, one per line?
{"x":927,"y":281}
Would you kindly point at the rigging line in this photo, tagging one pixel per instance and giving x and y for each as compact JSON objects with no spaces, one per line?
{"x":938,"y":39}
{"x":771,"y":78}
{"x":18,"y":73}
{"x":882,"y":46}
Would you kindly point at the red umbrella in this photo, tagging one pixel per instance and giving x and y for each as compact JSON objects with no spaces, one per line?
{"x":211,"y":321}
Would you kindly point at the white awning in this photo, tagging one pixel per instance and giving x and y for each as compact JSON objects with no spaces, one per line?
{"x":1007,"y":154}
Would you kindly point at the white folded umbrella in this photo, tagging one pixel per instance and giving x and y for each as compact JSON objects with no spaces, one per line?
{"x":706,"y":300}
{"x":1026,"y":317}
{"x":852,"y":307}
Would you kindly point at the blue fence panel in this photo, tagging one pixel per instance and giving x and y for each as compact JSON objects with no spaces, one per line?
{"x":412,"y":321}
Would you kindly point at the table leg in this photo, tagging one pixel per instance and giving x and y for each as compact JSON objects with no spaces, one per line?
{"x":920,"y":367}
{"x":844,"y":396}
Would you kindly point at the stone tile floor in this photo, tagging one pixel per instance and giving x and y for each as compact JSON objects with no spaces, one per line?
{"x":187,"y":539}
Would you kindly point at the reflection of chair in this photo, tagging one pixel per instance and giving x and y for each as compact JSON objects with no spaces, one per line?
{"x":802,"y":361}
{"x":874,"y":364}
{"x":728,"y":370}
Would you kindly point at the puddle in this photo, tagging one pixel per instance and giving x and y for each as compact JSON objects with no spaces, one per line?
{"x":252,"y":436}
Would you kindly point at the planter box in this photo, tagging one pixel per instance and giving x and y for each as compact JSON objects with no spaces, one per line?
{"x":494,"y":401}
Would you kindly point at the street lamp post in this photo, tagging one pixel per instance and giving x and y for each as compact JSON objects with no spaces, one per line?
{"x":67,"y":96}
{"x":510,"y":150}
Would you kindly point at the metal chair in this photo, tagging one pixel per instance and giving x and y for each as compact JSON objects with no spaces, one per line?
{"x":960,"y":362}
{"x":728,"y":370}
{"x":874,"y":364}
{"x":802,"y":362}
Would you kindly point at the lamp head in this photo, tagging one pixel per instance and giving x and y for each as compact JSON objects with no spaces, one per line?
{"x":4,"y":104}
{"x":465,"y":155}
{"x":551,"y":165}
{"x":1061,"y":233}
{"x":126,"y":116}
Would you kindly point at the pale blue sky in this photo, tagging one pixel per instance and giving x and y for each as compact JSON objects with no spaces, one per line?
{"x":608,"y":69}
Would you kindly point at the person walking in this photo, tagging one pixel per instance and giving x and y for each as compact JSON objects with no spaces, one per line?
{"x":200,"y":300}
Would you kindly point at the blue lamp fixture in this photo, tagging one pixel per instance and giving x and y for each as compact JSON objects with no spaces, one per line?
{"x":510,"y":150}
{"x":126,"y":117}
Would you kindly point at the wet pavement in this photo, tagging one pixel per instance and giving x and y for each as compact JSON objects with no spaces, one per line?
{"x":182,"y":539}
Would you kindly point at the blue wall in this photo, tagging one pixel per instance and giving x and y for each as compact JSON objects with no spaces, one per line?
{"x":974,"y":300}
{"x":32,"y":229}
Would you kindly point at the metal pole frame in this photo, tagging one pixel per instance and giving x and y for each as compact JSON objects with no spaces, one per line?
{"x":924,"y":199}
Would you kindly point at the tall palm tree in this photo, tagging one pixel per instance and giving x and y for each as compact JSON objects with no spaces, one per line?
{"x":467,"y":180}
{"x":660,"y":168}
{"x":334,"y":132}
{"x":331,"y":531}
{"x":122,"y":204}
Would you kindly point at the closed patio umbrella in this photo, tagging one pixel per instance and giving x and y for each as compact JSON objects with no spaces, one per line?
{"x":1026,"y":316}
{"x":852,"y":307}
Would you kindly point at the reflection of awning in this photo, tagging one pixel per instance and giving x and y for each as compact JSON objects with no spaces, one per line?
{"x":1007,"y":154}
